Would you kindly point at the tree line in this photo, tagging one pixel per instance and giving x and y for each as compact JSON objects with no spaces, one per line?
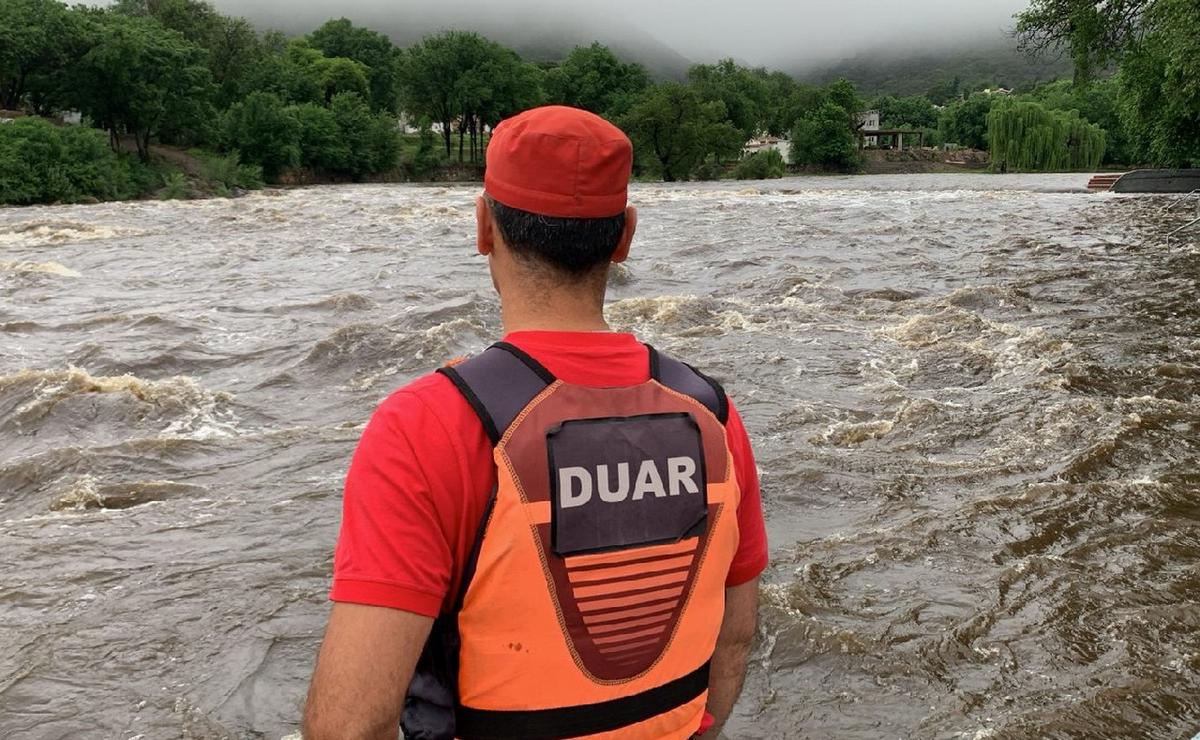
{"x":177,"y":72}
{"x":1153,"y":46}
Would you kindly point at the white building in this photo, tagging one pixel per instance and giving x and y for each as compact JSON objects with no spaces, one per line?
{"x":763,"y":143}
{"x":868,"y":120}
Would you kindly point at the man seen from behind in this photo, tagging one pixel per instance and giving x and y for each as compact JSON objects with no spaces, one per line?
{"x":560,"y":537}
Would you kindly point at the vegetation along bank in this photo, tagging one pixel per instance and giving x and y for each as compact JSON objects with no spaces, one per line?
{"x":169,"y":98}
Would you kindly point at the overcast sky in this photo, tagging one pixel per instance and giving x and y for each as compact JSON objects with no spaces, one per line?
{"x":754,"y":31}
{"x":761,"y":31}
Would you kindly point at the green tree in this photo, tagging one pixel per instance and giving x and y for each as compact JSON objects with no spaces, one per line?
{"x":722,"y":139}
{"x":499,"y":87}
{"x":321,"y":145}
{"x":914,"y":111}
{"x":234,"y":52}
{"x":1160,"y":87}
{"x":141,"y":78}
{"x":798,"y":102}
{"x":594,"y":79}
{"x":785,"y":101}
{"x":1157,"y":45}
{"x":673,"y":129}
{"x":429,"y":155}
{"x":264,"y":132}
{"x":462,"y":77}
{"x":341,"y":75}
{"x":1029,"y":137}
{"x":1098,"y":101}
{"x":372,"y":141}
{"x":825,"y":139}
{"x":232,"y":44}
{"x":291,"y":70}
{"x":742,"y":92}
{"x":376,"y":52}
{"x":431,"y":78}
{"x":965,"y":121}
{"x":195,"y":20}
{"x":843,"y":94}
{"x":35,"y":41}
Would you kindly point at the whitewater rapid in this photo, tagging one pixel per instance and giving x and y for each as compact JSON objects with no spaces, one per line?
{"x":973,"y":399}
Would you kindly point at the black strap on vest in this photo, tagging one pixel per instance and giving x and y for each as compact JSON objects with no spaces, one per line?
{"x":499,"y":383}
{"x":689,"y":381}
{"x":580,"y":721}
{"x":430,"y":707}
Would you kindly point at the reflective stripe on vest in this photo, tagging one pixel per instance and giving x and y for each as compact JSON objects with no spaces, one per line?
{"x":593,"y":603}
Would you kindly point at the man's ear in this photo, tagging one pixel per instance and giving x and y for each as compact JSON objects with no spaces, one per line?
{"x":622,"y":251}
{"x":484,"y":239}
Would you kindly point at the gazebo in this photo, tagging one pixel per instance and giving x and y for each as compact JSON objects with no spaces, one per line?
{"x":896,"y":135}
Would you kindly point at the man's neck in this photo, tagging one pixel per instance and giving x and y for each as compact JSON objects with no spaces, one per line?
{"x":551,"y":312}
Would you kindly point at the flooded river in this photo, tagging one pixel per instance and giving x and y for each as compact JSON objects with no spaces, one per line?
{"x":974,"y":400}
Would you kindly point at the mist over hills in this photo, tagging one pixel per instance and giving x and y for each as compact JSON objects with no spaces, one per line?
{"x":536,"y":36}
{"x":994,"y":61}
{"x":547,"y":32}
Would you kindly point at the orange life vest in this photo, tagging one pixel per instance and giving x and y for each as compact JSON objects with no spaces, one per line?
{"x":593,"y":598}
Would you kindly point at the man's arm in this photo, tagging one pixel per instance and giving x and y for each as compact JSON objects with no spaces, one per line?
{"x":363,"y":671}
{"x":733,"y":647}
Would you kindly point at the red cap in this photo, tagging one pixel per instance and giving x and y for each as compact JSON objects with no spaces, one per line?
{"x":560,"y":162}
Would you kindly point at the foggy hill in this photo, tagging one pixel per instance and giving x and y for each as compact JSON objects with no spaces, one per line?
{"x":546,"y":31}
{"x":538,"y":37}
{"x":996,"y":62}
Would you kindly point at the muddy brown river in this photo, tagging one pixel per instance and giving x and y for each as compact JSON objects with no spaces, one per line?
{"x":975,"y":401}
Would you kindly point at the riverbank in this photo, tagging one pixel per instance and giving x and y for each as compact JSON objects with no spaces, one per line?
{"x":174,"y":173}
{"x":926,"y":160}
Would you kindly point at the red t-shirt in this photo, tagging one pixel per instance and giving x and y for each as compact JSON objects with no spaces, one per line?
{"x":423,"y":472}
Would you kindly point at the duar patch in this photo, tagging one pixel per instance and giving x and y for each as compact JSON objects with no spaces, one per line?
{"x":620,"y":483}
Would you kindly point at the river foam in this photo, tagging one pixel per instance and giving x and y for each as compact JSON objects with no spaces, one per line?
{"x":974,"y":403}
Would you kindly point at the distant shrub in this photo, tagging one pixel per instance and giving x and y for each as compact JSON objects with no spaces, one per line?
{"x":709,"y":170}
{"x":228,"y":171}
{"x":429,"y":156}
{"x":250,"y":177}
{"x":175,"y":186}
{"x":764,"y":165}
{"x":216,"y":168}
{"x":44,"y":163}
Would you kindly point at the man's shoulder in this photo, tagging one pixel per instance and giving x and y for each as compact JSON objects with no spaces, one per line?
{"x":430,"y":397}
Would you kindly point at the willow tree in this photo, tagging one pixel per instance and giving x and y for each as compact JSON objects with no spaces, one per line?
{"x":1029,"y":137}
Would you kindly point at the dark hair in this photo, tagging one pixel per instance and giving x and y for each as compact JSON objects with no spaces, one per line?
{"x":574,"y":246}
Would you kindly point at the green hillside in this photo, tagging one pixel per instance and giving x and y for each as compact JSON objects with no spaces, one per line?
{"x":934,"y":73}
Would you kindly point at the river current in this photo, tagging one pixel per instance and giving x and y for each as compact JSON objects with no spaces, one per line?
{"x":974,"y":401}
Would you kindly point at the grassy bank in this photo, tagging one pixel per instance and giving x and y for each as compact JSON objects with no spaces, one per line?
{"x":42,"y":162}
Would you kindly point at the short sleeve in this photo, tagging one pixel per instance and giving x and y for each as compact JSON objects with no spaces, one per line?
{"x":401,"y":511}
{"x":751,"y":557}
